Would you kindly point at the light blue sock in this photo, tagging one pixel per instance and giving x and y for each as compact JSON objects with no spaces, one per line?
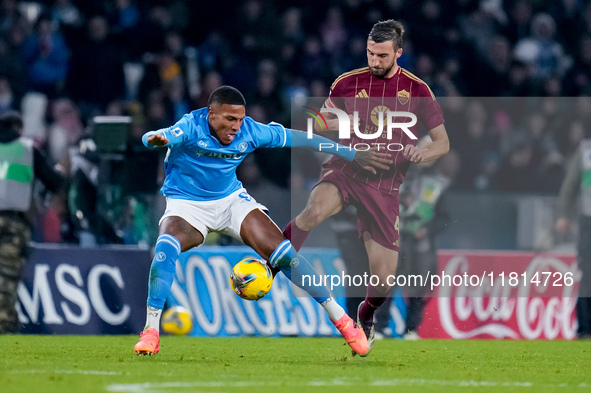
{"x":296,"y":267}
{"x":162,"y":271}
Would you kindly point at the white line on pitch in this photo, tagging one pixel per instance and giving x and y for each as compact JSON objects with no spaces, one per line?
{"x":84,"y":372}
{"x":148,"y":387}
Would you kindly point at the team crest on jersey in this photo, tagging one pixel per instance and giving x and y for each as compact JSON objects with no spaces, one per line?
{"x":403,"y":97}
{"x":375,"y":112}
{"x":242,"y":147}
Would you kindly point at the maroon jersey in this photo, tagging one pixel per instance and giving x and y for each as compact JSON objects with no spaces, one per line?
{"x":359,"y":90}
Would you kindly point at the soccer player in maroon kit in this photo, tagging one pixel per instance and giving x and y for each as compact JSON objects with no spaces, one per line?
{"x":383,"y":86}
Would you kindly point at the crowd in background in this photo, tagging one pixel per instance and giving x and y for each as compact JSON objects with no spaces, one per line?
{"x":63,"y":62}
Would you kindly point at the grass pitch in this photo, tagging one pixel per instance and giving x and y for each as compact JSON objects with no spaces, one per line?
{"x":108,"y":364}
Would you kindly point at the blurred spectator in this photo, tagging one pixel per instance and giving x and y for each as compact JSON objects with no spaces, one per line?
{"x":486,"y":179}
{"x":34,"y":107}
{"x":517,"y":172}
{"x":126,"y":15}
{"x":333,"y":32}
{"x":256,"y":28}
{"x":146,"y":35}
{"x":578,"y":79}
{"x":211,"y":52}
{"x":186,"y":57}
{"x":47,"y":58}
{"x":568,"y":22}
{"x":6,"y":96}
{"x":176,"y":100}
{"x":356,"y":56}
{"x":520,"y":15}
{"x":494,"y":70}
{"x":267,"y":93}
{"x":96,"y":80}
{"x":10,"y":17}
{"x":65,"y":130}
{"x":519,"y":81}
{"x":211,"y":81}
{"x":70,"y":20}
{"x":431,"y":40}
{"x":575,"y":187}
{"x":473,"y":143}
{"x":477,"y":28}
{"x":12,"y":65}
{"x":540,"y":50}
{"x":156,"y":114}
{"x":293,"y":29}
{"x":422,"y":217}
{"x":258,"y":113}
{"x":312,"y":63}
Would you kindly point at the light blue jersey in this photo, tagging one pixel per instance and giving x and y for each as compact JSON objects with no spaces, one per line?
{"x":199,"y":168}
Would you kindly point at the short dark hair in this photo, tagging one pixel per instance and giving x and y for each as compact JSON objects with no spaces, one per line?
{"x":226,"y":95}
{"x":387,"y":30}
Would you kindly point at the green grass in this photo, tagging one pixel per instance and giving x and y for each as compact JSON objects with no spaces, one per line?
{"x":107,"y":364}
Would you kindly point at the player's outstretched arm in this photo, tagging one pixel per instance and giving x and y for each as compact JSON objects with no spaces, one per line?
{"x":154,"y":139}
{"x":169,"y":137}
{"x":369,"y":160}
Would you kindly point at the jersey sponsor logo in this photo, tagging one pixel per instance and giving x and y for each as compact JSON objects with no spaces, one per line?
{"x":202,"y":143}
{"x":242,"y":147}
{"x":375,"y":112}
{"x":213,"y":154}
{"x":403,"y":97}
{"x":177,"y":131}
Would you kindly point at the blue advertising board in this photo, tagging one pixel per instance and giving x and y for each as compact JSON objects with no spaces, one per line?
{"x":202,"y":286}
{"x":72,"y":290}
{"x":103,"y":290}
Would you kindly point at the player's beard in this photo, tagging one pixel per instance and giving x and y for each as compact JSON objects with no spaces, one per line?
{"x":381,"y":72}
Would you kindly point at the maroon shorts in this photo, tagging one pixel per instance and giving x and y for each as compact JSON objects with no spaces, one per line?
{"x":377,"y":211}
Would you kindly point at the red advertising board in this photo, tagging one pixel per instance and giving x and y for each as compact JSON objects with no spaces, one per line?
{"x":513,"y":295}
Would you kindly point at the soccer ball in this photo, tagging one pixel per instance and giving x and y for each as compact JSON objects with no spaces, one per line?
{"x":177,"y":320}
{"x":251,"y":279}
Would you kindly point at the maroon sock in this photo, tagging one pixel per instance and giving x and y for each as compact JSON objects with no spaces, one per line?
{"x":373,"y":301}
{"x":295,"y":235}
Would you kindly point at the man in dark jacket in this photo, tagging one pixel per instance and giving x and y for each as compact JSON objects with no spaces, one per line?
{"x":20,"y":164}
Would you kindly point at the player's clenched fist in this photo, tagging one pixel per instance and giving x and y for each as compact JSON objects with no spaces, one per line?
{"x":413,"y":153}
{"x":157,"y":140}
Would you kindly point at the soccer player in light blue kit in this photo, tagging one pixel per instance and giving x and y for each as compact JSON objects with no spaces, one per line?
{"x":203,"y":194}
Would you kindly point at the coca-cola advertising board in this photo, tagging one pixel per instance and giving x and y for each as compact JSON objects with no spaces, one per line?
{"x":518,"y":295}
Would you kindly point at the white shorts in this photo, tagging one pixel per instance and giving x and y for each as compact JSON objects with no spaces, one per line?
{"x":222,"y":215}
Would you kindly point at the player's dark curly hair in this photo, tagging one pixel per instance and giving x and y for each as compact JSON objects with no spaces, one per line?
{"x":226,"y":95}
{"x":387,"y":30}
